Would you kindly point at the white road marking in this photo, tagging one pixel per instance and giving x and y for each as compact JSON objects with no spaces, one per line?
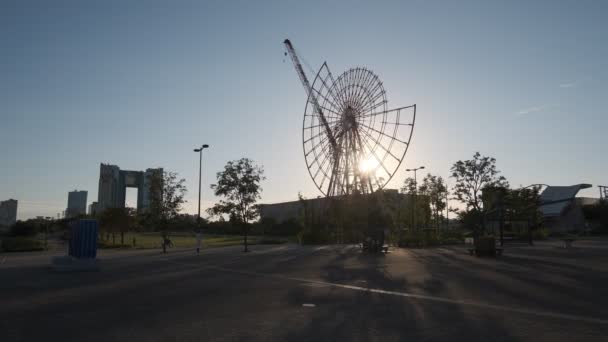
{"x":427,"y":297}
{"x":308,"y":305}
{"x":314,"y":285}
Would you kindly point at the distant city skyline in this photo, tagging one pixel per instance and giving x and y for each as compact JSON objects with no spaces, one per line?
{"x":140,"y":84}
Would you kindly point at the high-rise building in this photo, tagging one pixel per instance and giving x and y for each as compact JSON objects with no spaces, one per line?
{"x":77,"y":203}
{"x":93,"y":208}
{"x":8,"y":212}
{"x":113,"y":183}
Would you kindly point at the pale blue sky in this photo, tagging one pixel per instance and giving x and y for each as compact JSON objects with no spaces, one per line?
{"x":140,"y":83}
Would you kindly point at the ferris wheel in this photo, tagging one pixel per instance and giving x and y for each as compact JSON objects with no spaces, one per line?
{"x":352,"y":143}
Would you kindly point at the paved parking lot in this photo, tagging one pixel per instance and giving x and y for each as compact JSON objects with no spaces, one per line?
{"x":315,"y":293}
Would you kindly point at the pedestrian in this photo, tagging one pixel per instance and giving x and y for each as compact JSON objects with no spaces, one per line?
{"x":199,"y":240}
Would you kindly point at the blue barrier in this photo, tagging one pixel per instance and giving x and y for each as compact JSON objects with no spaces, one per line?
{"x":83,"y":242}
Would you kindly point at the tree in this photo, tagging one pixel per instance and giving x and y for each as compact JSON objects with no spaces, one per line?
{"x":472,"y":176}
{"x":239,"y":184}
{"x":409,"y":186}
{"x":166,"y":199}
{"x":524,"y":204}
{"x":25,"y":228}
{"x":416,"y":208}
{"x":115,"y":220}
{"x":437,"y":191}
{"x":597,"y":214}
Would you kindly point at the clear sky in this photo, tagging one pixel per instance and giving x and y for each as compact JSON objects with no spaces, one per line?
{"x":141,"y":83}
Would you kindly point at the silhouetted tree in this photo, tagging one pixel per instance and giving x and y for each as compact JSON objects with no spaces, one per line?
{"x":472,"y":176}
{"x":239,"y":184}
{"x":417,"y":204}
{"x":409,"y":186}
{"x":435,"y":188}
{"x":598,"y":214}
{"x":167,"y":193}
{"x":523,"y":204}
{"x":117,"y":220}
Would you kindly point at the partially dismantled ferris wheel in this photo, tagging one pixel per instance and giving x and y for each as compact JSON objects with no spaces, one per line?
{"x":352,"y":142}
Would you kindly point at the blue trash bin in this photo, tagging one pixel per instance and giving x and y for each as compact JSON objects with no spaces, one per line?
{"x":83,"y":242}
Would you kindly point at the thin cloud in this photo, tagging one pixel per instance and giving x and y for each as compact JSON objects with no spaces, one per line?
{"x":574,"y":84}
{"x":534,"y":109}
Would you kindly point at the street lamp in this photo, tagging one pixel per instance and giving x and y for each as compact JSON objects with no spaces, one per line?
{"x":200,"y":168}
{"x":415,"y":190}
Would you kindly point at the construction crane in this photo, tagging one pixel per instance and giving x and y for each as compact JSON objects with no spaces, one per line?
{"x":310,"y":92}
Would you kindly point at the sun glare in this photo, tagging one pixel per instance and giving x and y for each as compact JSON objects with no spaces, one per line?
{"x":368,"y":164}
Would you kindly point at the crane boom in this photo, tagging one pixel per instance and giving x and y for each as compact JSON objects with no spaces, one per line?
{"x":310,"y":92}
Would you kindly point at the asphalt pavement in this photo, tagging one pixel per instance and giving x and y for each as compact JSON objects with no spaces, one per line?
{"x":311,"y":293}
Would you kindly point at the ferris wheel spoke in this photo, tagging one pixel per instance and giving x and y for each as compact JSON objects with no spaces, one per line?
{"x":321,"y":168}
{"x":370,"y":106}
{"x":315,"y":136}
{"x":397,"y":123}
{"x":332,"y":122}
{"x":384,"y":134}
{"x":315,"y":147}
{"x":372,"y":151}
{"x":332,"y":93}
{"x":354,"y":85}
{"x":329,"y":87}
{"x":326,"y":99}
{"x":363,"y":83}
{"x":323,"y":153}
{"x":389,"y":111}
{"x":383,"y":147}
{"x":373,"y":102}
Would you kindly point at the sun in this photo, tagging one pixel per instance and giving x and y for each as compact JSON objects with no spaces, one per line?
{"x":368,"y":164}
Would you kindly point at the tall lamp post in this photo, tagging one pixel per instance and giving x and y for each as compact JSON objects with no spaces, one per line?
{"x":200,"y":168}
{"x":415,"y":190}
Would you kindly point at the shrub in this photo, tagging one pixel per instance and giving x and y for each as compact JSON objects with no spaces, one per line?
{"x":21,"y":244}
{"x":24,"y":228}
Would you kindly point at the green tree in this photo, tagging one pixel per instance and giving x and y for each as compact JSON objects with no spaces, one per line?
{"x":167,"y":193}
{"x":239,"y":185}
{"x":472,"y":176}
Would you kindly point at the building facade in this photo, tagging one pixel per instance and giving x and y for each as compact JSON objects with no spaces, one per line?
{"x":286,"y":211}
{"x":77,"y":203}
{"x":8,"y":212}
{"x":562,"y":211}
{"x":113,"y":183}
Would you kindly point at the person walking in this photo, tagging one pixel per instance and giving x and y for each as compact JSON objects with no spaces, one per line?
{"x":199,"y":240}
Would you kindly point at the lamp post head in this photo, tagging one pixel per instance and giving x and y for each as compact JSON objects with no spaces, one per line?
{"x":416,"y":169}
{"x":205,"y":146}
{"x":197,"y":150}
